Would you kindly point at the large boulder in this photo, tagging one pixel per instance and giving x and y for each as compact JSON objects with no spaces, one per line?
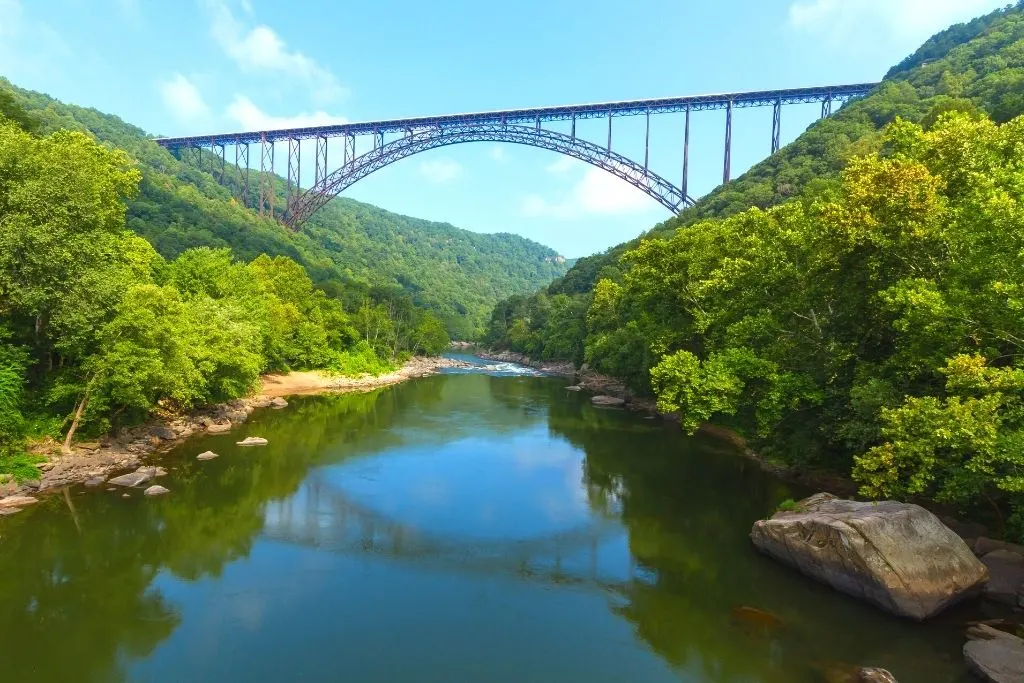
{"x":994,"y":656}
{"x":896,"y":555}
{"x":608,"y":401}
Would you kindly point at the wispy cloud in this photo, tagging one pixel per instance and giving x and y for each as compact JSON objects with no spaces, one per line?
{"x":257,"y":49}
{"x":562,"y":165}
{"x":443,"y":170}
{"x":248,"y":116}
{"x":911,"y":21}
{"x":184,"y":100}
{"x":597,"y":193}
{"x":497,"y":153}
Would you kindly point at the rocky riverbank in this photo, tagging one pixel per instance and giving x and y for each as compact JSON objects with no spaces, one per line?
{"x":92,"y":462}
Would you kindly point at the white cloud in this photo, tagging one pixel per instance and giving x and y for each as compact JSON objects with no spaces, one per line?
{"x":184,"y":100}
{"x":906,"y":20}
{"x":597,"y":193}
{"x":441,"y":170}
{"x":250,"y":117}
{"x":562,"y":164}
{"x":259,"y":49}
{"x":498,"y":153}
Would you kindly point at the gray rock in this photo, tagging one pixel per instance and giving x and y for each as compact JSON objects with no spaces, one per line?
{"x":218,"y":427}
{"x":1006,"y":574}
{"x":608,"y":401}
{"x":156,"y":490}
{"x":871,"y":674}
{"x":262,"y":402}
{"x":574,"y":388}
{"x":994,"y":656}
{"x":237,"y":416}
{"x":983,"y":546}
{"x":252,"y":441}
{"x":163,"y":432}
{"x":132,"y":479}
{"x":95,"y":481}
{"x":897,"y":556}
{"x":207,"y":455}
{"x":278,"y":402}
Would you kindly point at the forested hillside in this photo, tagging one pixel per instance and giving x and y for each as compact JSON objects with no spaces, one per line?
{"x":346,"y":246}
{"x":975,"y":67}
{"x":852,"y":303}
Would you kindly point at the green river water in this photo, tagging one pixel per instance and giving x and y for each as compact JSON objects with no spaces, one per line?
{"x":459,"y":528}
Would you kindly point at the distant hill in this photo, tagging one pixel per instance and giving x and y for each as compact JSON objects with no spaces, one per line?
{"x":456,"y":273}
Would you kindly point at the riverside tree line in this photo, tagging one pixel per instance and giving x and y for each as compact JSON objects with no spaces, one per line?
{"x":868,"y":320}
{"x":98,"y":330}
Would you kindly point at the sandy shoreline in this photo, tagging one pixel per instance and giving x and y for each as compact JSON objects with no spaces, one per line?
{"x":94,"y":462}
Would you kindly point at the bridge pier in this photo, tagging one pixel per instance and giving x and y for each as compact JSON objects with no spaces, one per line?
{"x":686,"y":156}
{"x":776,"y":125}
{"x":242,"y":164}
{"x":728,"y":144}
{"x":267,"y":189}
{"x":321,"y":160}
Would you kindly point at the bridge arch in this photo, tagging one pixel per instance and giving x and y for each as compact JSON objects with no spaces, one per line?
{"x":416,"y":141}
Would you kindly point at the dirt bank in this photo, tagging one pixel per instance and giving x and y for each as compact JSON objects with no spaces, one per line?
{"x":131,"y":446}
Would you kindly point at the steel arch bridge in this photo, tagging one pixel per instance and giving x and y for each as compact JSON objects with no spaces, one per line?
{"x":518,"y":126}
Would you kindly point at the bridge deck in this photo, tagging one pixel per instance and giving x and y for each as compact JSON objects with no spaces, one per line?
{"x":535,"y":116}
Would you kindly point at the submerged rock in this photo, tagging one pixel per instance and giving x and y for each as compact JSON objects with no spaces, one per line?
{"x":95,"y":481}
{"x":278,"y":402}
{"x":17,"y":501}
{"x":841,"y":672}
{"x":156,"y":490}
{"x":608,"y":401}
{"x":575,"y":387}
{"x":757,"y":619}
{"x":995,"y":656}
{"x":896,"y":555}
{"x":207,"y":455}
{"x":253,"y":441}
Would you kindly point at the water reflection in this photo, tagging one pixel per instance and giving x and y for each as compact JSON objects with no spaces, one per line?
{"x":454,"y":528}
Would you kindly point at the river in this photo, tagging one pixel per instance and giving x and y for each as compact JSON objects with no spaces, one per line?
{"x":464,"y":527}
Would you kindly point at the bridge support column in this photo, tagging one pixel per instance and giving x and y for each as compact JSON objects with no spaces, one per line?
{"x":266,"y":176}
{"x":609,"y":148}
{"x":647,"y":142}
{"x":223,"y":161}
{"x":294,"y":172}
{"x":242,"y":164}
{"x":826,"y":107}
{"x":350,"y":148}
{"x":776,"y":126}
{"x":321,"y":161}
{"x":728,"y":143}
{"x":686,"y":156}
{"x":573,"y":128}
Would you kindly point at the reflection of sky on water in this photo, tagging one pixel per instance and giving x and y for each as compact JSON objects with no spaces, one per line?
{"x":520,"y":486}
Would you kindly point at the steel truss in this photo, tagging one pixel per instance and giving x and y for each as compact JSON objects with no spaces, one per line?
{"x":666,"y":105}
{"x":357,"y":168}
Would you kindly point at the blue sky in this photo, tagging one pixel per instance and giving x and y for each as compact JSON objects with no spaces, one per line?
{"x":179,"y":67}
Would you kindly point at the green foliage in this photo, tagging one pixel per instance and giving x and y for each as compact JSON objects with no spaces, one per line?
{"x":854,"y":302}
{"x":349,"y":249}
{"x":788,"y":505}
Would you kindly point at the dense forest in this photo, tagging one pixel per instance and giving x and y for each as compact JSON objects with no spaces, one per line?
{"x":853,"y":302}
{"x":348,"y":248}
{"x":97,"y":328}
